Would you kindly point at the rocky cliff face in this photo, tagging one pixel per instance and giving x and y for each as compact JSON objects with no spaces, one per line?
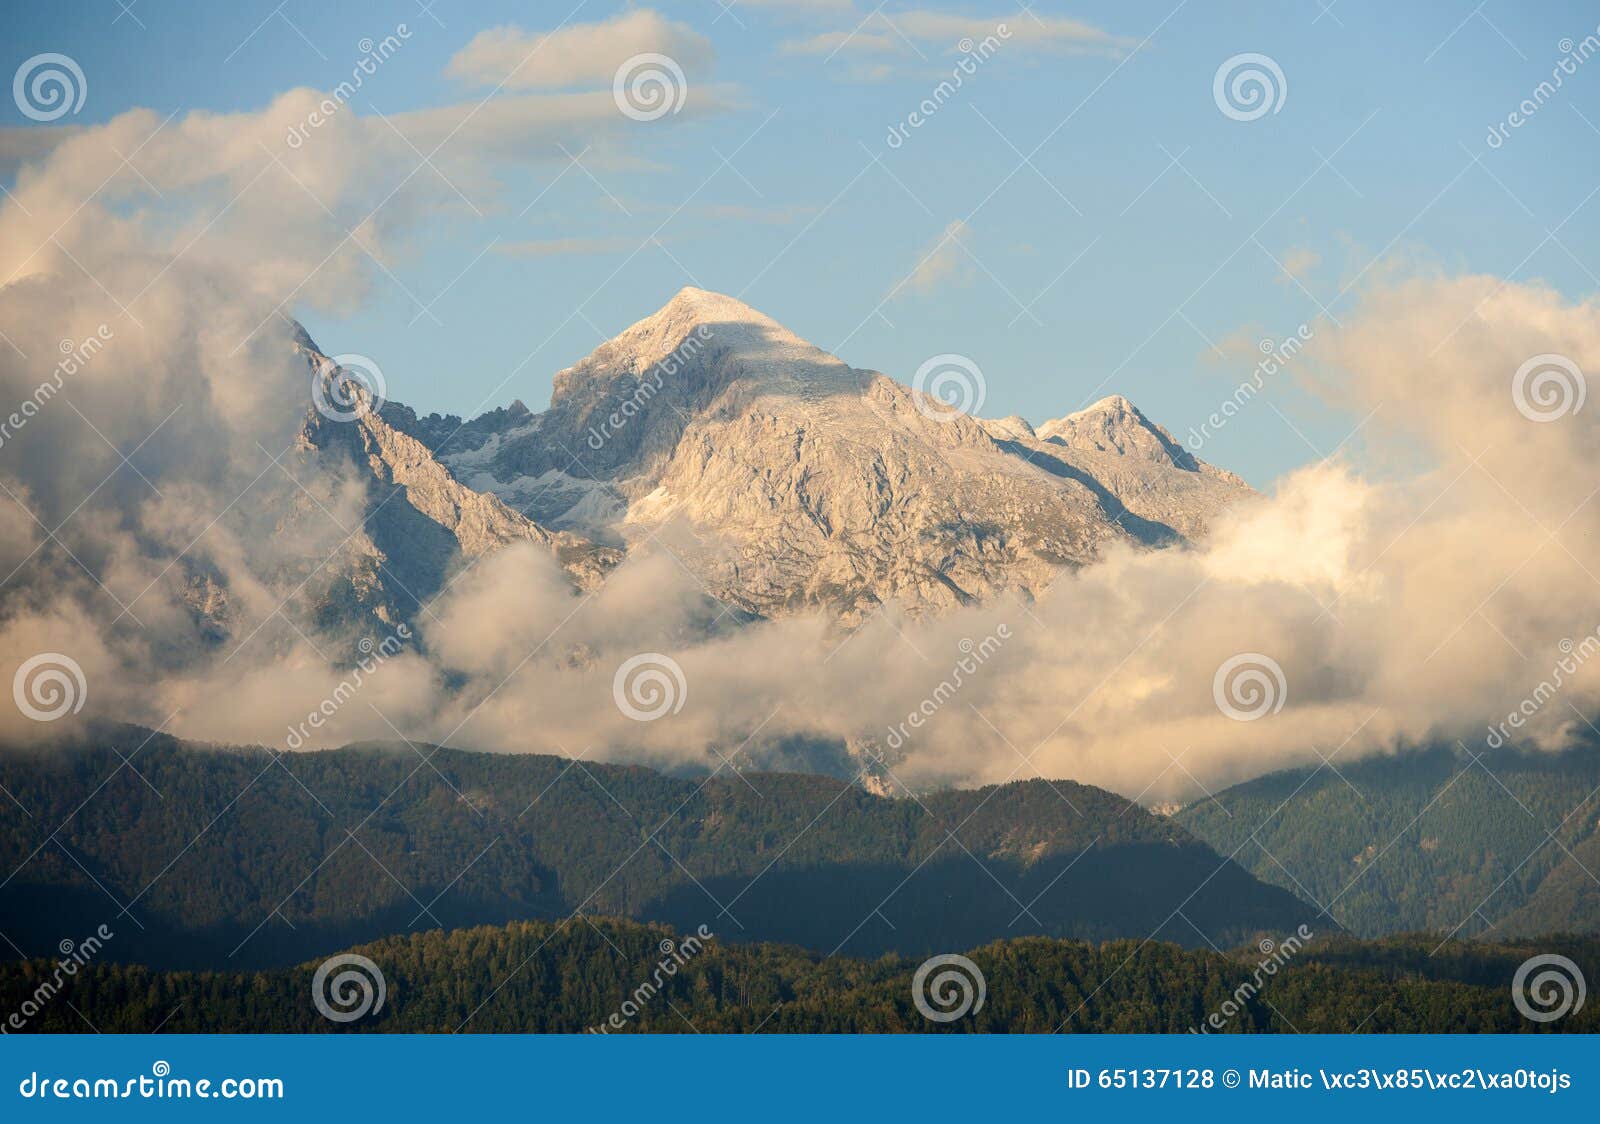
{"x":1158,"y":483}
{"x":410,"y":523}
{"x":786,"y":480}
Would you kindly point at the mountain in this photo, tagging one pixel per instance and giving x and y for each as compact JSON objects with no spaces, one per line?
{"x":1503,"y":844}
{"x":242,"y":857}
{"x":382,"y":526}
{"x":1141,"y":464}
{"x":787,"y":480}
{"x":410,"y":522}
{"x":624,"y":977}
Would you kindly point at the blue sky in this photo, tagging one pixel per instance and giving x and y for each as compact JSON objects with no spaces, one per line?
{"x":1177,"y":221}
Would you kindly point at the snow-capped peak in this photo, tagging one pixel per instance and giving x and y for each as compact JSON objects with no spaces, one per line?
{"x":707,"y":336}
{"x":729,"y":324}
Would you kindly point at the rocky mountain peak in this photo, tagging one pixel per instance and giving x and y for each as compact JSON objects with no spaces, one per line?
{"x":700,"y":337}
{"x":706,"y":306}
{"x":790,"y":481}
{"x":1115,"y":425}
{"x":1013,"y":428}
{"x":1113,"y":412}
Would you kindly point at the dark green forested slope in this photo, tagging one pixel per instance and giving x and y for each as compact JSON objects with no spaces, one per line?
{"x":1501,"y":845}
{"x":237,"y":858}
{"x":543,"y":976}
{"x":1567,"y":899}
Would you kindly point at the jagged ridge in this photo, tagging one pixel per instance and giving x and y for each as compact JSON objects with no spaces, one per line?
{"x":788,"y":480}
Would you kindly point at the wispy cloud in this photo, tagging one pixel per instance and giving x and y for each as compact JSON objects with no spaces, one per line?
{"x":1025,"y":29}
{"x":906,"y":33}
{"x":565,"y":247}
{"x":943,"y":263}
{"x":777,"y":216}
{"x":577,"y":55}
{"x":799,"y":5}
{"x":1297,"y":263}
{"x":861,"y":40}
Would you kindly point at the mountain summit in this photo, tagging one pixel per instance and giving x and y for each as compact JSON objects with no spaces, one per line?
{"x":787,"y":480}
{"x":1116,"y":426}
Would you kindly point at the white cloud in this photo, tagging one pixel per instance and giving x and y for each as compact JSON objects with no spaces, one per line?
{"x":262,"y":187}
{"x":906,"y":32}
{"x":1022,"y":29}
{"x":581,"y":54}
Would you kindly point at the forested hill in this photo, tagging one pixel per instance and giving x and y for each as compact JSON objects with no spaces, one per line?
{"x":1502,"y":844}
{"x":575,"y":975}
{"x":239,"y":858}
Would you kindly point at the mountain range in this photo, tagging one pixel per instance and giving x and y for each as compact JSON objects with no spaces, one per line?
{"x":230,"y":857}
{"x":237,"y":857}
{"x":1504,"y":844}
{"x":783,"y":479}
